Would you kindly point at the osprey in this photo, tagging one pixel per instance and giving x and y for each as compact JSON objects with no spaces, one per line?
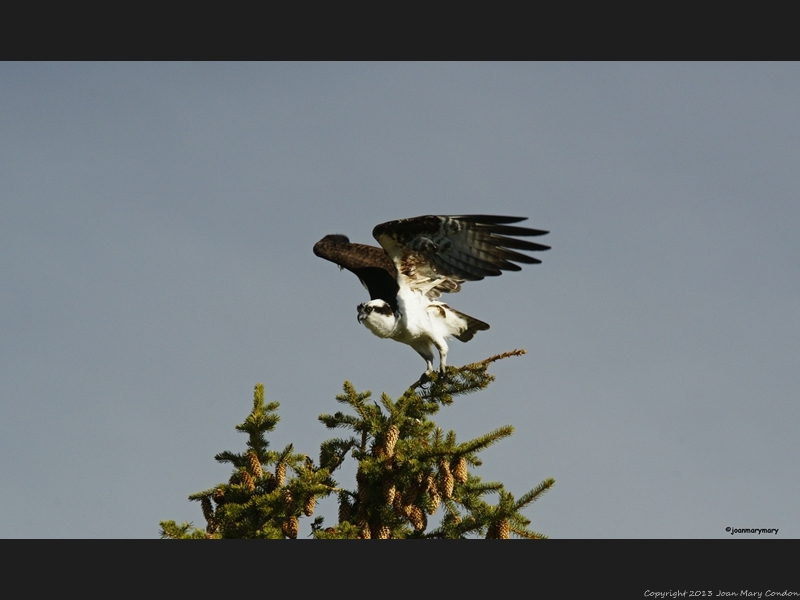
{"x":419,"y":259}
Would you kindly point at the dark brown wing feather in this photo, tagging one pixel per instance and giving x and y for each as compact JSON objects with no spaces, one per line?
{"x":370,"y":264}
{"x":458,"y":248}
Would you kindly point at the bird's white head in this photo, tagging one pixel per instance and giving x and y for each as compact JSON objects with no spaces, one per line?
{"x":378,"y":317}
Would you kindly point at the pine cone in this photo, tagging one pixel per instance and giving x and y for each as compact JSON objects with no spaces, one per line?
{"x":290,"y":527}
{"x":446,"y":479}
{"x":504,"y":529}
{"x":211,"y":527}
{"x":308,"y":507}
{"x":389,"y":492}
{"x":254,"y":465}
{"x":383,"y":533}
{"x":430,"y":482}
{"x":365,"y":531}
{"x":460,"y":471}
{"x":288,"y":500}
{"x":493,"y":532}
{"x":208,"y":510}
{"x":218,"y":495}
{"x":398,"y":505}
{"x":345,"y":510}
{"x":392,"y":435}
{"x":417,"y":517}
{"x":436,"y":500}
{"x":363,"y":486}
{"x":247,"y":481}
{"x":280,"y":473}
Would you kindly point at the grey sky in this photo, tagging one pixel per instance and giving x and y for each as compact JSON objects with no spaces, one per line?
{"x":156,"y":225}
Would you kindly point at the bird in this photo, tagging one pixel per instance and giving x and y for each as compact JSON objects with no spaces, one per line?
{"x":419,"y":259}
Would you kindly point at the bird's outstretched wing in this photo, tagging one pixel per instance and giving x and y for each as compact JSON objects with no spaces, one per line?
{"x":438,"y":253}
{"x":370,"y":264}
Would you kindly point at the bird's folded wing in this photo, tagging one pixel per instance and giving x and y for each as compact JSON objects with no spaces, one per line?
{"x":369,"y":263}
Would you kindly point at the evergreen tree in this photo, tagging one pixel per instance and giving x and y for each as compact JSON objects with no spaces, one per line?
{"x":408,"y":469}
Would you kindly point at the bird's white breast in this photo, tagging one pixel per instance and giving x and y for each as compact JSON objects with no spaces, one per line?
{"x":421,"y":318}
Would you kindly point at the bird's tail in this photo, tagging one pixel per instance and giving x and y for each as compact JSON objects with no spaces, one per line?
{"x":473,"y":327}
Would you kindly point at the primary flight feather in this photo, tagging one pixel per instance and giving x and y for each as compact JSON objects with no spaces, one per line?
{"x":419,"y":259}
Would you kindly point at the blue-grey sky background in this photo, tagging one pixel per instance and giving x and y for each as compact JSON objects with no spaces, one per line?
{"x":156,"y":226}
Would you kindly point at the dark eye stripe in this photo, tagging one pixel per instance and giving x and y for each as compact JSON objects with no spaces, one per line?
{"x":384,"y":309}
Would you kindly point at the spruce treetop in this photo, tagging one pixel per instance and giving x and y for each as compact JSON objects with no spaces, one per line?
{"x":408,"y":469}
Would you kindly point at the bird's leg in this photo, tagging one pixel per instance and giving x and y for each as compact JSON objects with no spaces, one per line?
{"x":425,"y":352}
{"x":426,"y":376}
{"x":441,"y":346}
